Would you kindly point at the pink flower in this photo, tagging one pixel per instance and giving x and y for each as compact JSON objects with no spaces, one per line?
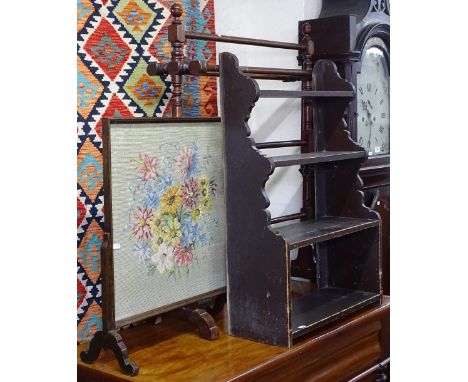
{"x":184,"y":161}
{"x":147,"y":166}
{"x":190,"y":193}
{"x":183,"y":255}
{"x":141,"y":226}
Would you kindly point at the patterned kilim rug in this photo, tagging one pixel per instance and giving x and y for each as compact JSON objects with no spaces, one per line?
{"x":116,"y":41}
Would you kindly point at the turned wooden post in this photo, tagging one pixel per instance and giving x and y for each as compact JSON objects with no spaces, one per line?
{"x":304,"y":265}
{"x":306,"y":121}
{"x":176,"y":68}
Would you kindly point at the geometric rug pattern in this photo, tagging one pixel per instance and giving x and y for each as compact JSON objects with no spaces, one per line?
{"x":115,"y":42}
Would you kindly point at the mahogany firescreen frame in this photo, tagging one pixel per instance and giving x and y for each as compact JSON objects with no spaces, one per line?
{"x":165,"y":230}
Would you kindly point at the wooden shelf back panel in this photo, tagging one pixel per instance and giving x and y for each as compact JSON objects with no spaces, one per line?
{"x":305,"y":94}
{"x":317,"y":309}
{"x":303,"y":233}
{"x":316,"y":157}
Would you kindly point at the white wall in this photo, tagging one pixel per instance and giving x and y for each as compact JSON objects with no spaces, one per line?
{"x":271,"y":119}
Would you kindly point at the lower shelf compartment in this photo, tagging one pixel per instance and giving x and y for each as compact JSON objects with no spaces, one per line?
{"x":317,"y":309}
{"x":306,"y":232}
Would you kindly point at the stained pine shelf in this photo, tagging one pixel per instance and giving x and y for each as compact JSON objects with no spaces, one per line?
{"x":315,"y":157}
{"x":305,"y":93}
{"x":313,"y":231}
{"x":317,"y":309}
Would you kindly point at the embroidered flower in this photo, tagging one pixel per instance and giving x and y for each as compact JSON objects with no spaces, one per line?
{"x":142,"y":219}
{"x":156,"y":243}
{"x":206,"y":204}
{"x":171,"y":199}
{"x":156,"y":224}
{"x":203,"y":186}
{"x":156,"y":232}
{"x":164,"y":259}
{"x":152,"y":197}
{"x":192,"y":234}
{"x":163,"y":182}
{"x":147,"y":166}
{"x":172,"y":231}
{"x":186,"y":162}
{"x":183,"y":255}
{"x":190,"y":193}
{"x":143,"y":252}
{"x":187,"y":233}
{"x":195,"y":214}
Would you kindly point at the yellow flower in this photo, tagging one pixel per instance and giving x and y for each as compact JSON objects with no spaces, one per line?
{"x":206,"y":204}
{"x":203,"y":183}
{"x":196,"y":213}
{"x":156,"y":224}
{"x":171,"y":200}
{"x":172,"y":232}
{"x":156,"y":231}
{"x":156,"y":242}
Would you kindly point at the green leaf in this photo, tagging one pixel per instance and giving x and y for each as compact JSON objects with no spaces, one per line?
{"x":151,"y":269}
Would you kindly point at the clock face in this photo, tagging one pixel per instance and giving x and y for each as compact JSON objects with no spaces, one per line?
{"x":373,"y":99}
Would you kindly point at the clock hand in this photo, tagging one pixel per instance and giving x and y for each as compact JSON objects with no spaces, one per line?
{"x":370,"y":104}
{"x":369,"y":115}
{"x":369,"y":120}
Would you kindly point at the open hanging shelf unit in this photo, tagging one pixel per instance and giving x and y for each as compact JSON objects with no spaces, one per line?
{"x":344,"y":233}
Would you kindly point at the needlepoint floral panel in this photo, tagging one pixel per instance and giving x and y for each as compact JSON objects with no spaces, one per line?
{"x":168,"y":221}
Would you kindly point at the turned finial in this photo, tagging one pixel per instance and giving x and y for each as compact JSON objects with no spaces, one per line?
{"x":306,"y":29}
{"x":307,"y":40}
{"x":176,"y":10}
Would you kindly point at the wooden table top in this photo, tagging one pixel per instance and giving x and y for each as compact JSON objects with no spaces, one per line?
{"x":172,"y":351}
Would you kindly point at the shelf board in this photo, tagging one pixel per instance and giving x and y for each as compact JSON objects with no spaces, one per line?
{"x":317,"y":309}
{"x":306,"y":93}
{"x":315,"y":157}
{"x":306,"y":232}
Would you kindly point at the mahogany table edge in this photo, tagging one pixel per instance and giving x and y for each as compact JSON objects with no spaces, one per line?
{"x":91,"y":373}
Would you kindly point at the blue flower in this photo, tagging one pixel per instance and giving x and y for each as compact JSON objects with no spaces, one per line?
{"x":152,"y":196}
{"x":185,"y":240}
{"x":187,"y":232}
{"x":164,"y":182}
{"x":192,"y":233}
{"x":194,"y":165}
{"x":143,"y":251}
{"x":202,"y":237}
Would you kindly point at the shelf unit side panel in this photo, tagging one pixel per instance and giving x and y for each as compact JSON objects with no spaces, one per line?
{"x":257,"y":259}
